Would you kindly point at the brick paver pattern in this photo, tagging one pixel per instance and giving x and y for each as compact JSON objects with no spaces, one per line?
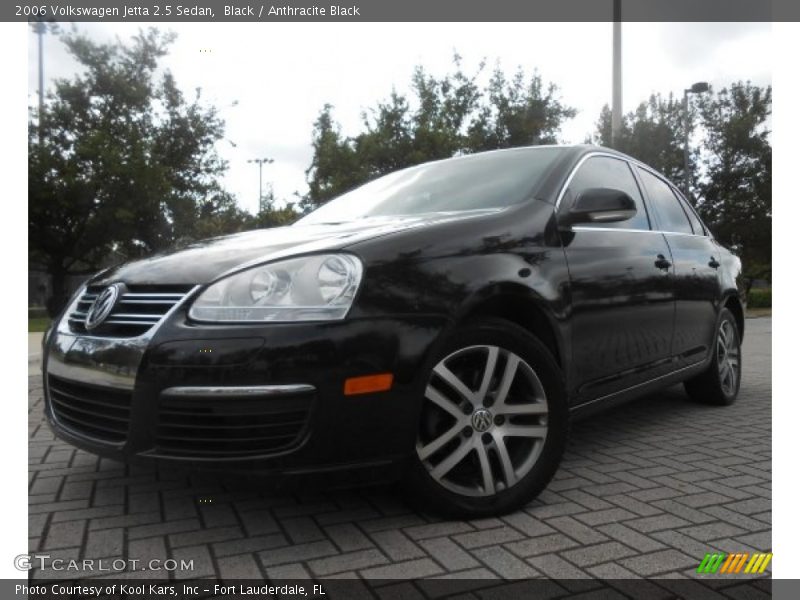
{"x":644,"y":490}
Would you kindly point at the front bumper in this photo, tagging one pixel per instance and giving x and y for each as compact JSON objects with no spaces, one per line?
{"x":268,"y":398}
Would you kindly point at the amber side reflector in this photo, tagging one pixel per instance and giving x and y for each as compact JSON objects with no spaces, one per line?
{"x":368,"y":384}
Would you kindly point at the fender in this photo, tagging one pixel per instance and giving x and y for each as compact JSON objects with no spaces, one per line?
{"x":522,"y":305}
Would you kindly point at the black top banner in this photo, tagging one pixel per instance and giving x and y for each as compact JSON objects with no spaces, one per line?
{"x":177,"y":11}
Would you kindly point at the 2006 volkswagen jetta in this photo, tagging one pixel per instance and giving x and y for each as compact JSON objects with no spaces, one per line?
{"x":442,"y":324}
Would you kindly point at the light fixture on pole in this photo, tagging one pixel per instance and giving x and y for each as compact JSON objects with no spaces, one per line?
{"x":260,"y":162}
{"x":698,"y":88}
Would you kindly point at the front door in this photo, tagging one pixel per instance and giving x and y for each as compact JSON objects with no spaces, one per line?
{"x":621,"y":281}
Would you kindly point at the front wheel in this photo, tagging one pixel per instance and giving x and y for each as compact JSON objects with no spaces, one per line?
{"x":493,"y":424}
{"x":719,"y":384}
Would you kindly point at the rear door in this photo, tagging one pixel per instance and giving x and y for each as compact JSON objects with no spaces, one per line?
{"x":621,"y":284}
{"x":696,"y":262}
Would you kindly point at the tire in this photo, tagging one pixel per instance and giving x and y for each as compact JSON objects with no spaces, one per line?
{"x":506,"y":432}
{"x":719,"y":384}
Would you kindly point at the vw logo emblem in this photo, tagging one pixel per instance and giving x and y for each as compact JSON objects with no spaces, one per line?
{"x":481,"y":420}
{"x":102,"y":306}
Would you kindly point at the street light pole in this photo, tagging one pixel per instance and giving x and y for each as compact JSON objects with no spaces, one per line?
{"x":39,"y":28}
{"x":260,"y":162}
{"x":686,"y":182}
{"x":698,"y":88}
{"x":616,"y":76}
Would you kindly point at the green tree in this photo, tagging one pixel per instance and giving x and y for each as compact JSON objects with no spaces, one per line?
{"x":519,"y":112}
{"x":218,"y":214}
{"x":447,"y":107}
{"x":731,"y":167}
{"x":736,"y":191}
{"x":653,"y":133}
{"x":221,"y":215}
{"x":439,"y":118}
{"x":271,"y":215}
{"x":126,"y":164}
{"x":334,"y":168}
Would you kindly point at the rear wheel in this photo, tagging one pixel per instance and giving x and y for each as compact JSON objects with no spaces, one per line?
{"x":719,"y":384}
{"x":493,"y":423}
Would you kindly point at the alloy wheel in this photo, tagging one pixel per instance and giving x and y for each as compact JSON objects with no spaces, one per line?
{"x":484,"y":421}
{"x":728,"y":357}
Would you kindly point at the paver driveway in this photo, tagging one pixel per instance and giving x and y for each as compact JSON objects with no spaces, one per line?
{"x":644,"y":491}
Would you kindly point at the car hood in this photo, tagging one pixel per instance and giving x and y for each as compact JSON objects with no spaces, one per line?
{"x":204,"y":261}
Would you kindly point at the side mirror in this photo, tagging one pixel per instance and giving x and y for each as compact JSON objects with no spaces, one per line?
{"x":600,"y":205}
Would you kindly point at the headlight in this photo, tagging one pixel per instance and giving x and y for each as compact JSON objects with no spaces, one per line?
{"x":311,"y":288}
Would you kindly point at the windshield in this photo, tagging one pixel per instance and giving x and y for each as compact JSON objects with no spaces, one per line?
{"x":473,"y":182}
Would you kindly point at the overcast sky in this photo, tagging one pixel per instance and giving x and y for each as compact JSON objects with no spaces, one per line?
{"x":282,"y":74}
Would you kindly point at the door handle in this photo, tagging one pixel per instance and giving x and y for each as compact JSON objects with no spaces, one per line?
{"x":714,"y":263}
{"x":662,"y":262}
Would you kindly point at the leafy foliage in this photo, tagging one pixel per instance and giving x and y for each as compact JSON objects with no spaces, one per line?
{"x":127,"y":165}
{"x":441,"y":117}
{"x":736,"y":192}
{"x":334,"y":165}
{"x":731,"y":169}
{"x":759,"y":298}
{"x":653,"y":133}
{"x":221,"y":215}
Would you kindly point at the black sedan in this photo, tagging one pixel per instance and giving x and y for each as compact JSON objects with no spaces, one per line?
{"x":441,"y":324}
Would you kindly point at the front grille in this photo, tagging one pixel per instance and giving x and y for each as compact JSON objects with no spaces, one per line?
{"x":136,"y":311}
{"x":230,"y":427}
{"x":97,"y":412}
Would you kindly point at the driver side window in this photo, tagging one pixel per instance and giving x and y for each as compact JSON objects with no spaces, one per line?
{"x":606,"y":172}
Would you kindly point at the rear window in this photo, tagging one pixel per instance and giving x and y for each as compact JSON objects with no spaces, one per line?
{"x":671,"y":215}
{"x":697,"y":226}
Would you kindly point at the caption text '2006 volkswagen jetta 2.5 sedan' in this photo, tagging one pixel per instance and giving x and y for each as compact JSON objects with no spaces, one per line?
{"x":440,"y":324}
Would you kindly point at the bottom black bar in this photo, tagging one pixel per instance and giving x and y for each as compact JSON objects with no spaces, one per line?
{"x":356,"y":589}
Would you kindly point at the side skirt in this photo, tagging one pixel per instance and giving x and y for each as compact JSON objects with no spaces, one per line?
{"x":591,"y":407}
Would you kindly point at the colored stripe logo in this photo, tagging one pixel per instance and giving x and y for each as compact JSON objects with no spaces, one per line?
{"x":739,"y":562}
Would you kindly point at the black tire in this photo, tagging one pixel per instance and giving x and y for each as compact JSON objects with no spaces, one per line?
{"x":711,"y":387}
{"x":512,"y":342}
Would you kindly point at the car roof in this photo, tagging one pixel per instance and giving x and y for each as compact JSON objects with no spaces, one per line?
{"x":577,"y":151}
{"x":571,"y":153}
